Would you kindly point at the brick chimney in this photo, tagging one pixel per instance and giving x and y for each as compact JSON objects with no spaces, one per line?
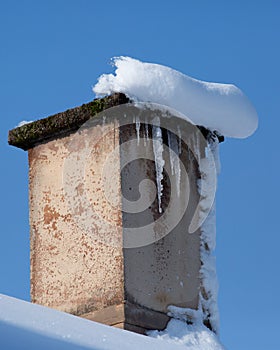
{"x":115,"y":213}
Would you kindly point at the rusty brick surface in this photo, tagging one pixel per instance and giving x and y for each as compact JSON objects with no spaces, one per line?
{"x":73,"y":268}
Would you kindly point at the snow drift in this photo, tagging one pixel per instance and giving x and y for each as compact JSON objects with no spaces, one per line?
{"x":220,"y":107}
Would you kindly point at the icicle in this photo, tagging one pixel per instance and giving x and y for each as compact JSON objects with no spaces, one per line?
{"x":197,"y":147}
{"x":147,"y":130}
{"x":159,"y":161}
{"x":174,"y":157}
{"x":214,"y":146}
{"x":137,"y":125}
{"x":170,"y":152}
{"x":194,"y":149}
{"x":180,"y":139}
{"x":144,"y":133}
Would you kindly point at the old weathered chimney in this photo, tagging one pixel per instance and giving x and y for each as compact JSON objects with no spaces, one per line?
{"x":118,"y":209}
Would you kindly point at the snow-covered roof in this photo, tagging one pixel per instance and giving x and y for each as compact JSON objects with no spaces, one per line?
{"x":220,"y":107}
{"x":28,"y":326}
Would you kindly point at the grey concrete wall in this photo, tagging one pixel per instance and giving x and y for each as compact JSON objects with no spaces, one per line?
{"x":166,"y":271}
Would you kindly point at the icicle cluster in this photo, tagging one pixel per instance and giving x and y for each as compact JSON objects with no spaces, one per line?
{"x":174,"y":147}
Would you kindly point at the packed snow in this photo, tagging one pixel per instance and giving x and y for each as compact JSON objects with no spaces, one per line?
{"x":24,"y":122}
{"x":220,"y":107}
{"x":209,"y":168}
{"x":193,"y":336}
{"x":26,"y":326}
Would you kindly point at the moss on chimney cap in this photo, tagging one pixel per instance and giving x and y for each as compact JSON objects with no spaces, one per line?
{"x":31,"y":134}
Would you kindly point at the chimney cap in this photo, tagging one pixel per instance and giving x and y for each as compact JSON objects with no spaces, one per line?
{"x":31,"y":134}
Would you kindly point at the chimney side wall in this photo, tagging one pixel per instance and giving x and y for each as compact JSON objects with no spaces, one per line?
{"x":73,"y":268}
{"x":166,"y":271}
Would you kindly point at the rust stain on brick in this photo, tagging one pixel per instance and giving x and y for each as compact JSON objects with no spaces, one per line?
{"x":50,"y":214}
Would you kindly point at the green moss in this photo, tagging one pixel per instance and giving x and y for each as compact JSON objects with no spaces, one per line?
{"x":97,"y":106}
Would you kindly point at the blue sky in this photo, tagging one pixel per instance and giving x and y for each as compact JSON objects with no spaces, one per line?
{"x":52,"y":53}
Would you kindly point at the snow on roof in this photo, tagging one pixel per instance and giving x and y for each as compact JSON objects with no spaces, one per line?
{"x":220,"y":107}
{"x":29,"y":326}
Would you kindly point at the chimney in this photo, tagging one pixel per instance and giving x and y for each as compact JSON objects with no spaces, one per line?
{"x":119,"y":197}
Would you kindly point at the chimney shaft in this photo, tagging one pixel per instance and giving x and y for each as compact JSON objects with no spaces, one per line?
{"x":112,"y":193}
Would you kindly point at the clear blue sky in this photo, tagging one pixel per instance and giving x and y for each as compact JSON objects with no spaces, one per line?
{"x":52,"y":53}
